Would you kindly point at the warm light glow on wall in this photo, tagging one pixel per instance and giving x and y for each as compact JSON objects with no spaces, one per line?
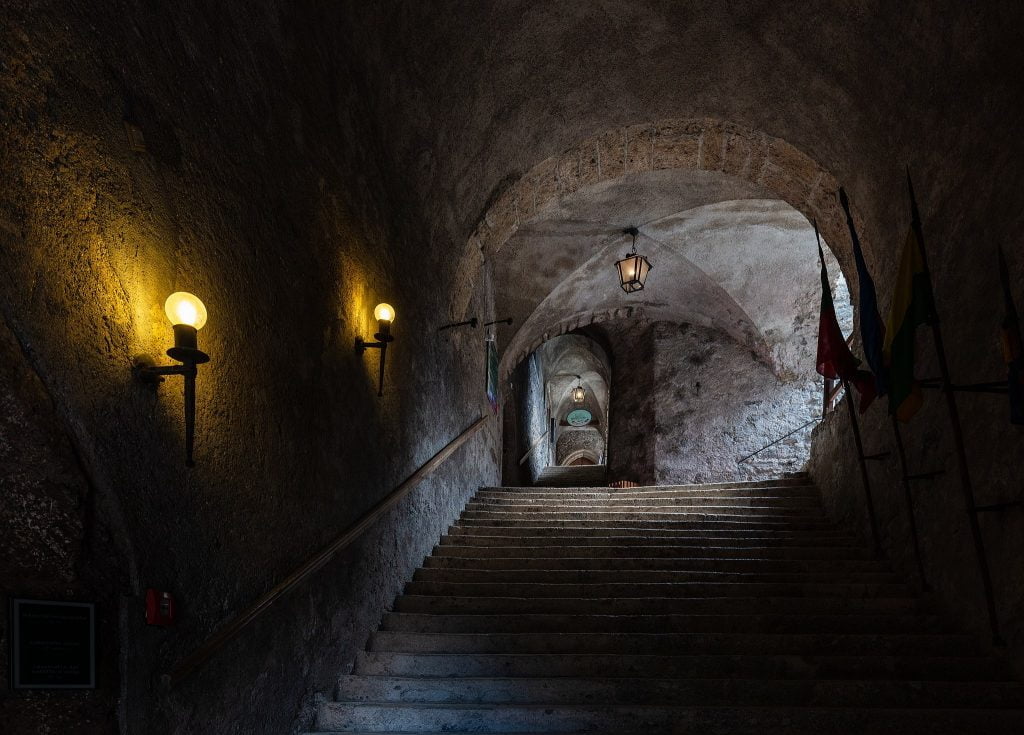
{"x":182,"y":307}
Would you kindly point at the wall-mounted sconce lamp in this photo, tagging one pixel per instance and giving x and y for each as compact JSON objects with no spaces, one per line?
{"x":579,"y":393}
{"x":187,"y":315}
{"x":385,"y":314}
{"x":469,"y":322}
{"x":633,"y":269}
{"x":499,"y":321}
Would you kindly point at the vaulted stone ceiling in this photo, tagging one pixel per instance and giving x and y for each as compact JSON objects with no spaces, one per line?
{"x":720,"y":247}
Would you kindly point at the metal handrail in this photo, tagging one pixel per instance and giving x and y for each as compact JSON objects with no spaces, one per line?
{"x":772,"y":444}
{"x":533,"y":447}
{"x":214,"y":643}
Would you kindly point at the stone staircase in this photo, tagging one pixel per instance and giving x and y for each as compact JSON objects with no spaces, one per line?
{"x":588,"y":475}
{"x":729,"y":608}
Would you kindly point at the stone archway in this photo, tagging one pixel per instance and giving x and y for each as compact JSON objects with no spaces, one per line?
{"x":703,"y":144}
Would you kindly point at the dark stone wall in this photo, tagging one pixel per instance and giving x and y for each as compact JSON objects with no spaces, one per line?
{"x":56,"y":543}
{"x":531,"y":425}
{"x":632,"y":410}
{"x":265,"y":188}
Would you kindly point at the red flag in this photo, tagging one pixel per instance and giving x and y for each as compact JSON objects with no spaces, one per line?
{"x":835,"y":360}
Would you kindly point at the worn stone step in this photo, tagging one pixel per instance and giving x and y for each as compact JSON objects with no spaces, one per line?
{"x":685,"y":692}
{"x":680,"y":540}
{"x":661,"y":564}
{"x":630,"y":643}
{"x":683,"y":590}
{"x":752,"y":621}
{"x":562,"y":576}
{"x":628,"y":720}
{"x":694,"y":524}
{"x":656,"y":605}
{"x":666,"y":513}
{"x":694,"y":666}
{"x":675,"y":550}
{"x":796,"y":480}
{"x":636,"y":530}
{"x":791,"y":491}
{"x":612,"y":503}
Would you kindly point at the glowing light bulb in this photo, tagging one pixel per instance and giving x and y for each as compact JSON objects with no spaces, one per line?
{"x":384,"y":313}
{"x":182,"y":307}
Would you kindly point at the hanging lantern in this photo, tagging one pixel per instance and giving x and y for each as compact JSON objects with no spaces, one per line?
{"x":633,"y":269}
{"x":579,"y":394}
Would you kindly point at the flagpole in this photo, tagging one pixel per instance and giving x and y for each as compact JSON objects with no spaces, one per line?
{"x":863,"y":466}
{"x":901,"y":452}
{"x":958,"y":435}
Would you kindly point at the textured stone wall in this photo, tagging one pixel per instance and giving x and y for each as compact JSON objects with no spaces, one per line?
{"x":631,"y":415}
{"x":265,"y":187}
{"x":55,"y":544}
{"x":692,"y":402}
{"x":579,"y":442}
{"x":533,"y":424}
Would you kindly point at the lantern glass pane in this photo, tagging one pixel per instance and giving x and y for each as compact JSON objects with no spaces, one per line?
{"x":643,"y":268}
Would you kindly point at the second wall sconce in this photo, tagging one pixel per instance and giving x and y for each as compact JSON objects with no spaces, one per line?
{"x":385,"y":315}
{"x":187,"y":315}
{"x":468,"y":323}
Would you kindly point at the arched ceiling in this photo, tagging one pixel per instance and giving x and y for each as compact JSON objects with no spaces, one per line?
{"x":565,"y":357}
{"x":720,"y":250}
{"x":480,"y":92}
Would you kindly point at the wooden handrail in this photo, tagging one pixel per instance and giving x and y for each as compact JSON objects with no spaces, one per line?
{"x":206,"y":651}
{"x":533,"y":446}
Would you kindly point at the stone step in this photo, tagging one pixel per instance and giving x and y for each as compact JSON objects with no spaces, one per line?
{"x":721,"y":609}
{"x":659,"y":564}
{"x":678,"y":501}
{"x":751,"y":621}
{"x":630,"y":720}
{"x":695,"y":666}
{"x":667,"y":590}
{"x":685,"y":692}
{"x":675,"y":540}
{"x":570,"y":641}
{"x":792,"y":491}
{"x":796,"y":480}
{"x":637,"y":530}
{"x":614,"y":551}
{"x":656,"y":605}
{"x":562,"y":576}
{"x":669,"y":513}
{"x":706,"y":524}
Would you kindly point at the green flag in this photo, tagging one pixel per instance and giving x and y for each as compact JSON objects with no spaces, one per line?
{"x":911,"y":307}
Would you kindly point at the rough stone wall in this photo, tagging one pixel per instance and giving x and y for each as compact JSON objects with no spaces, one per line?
{"x":532,"y":424}
{"x":54,"y":544}
{"x":631,"y":415}
{"x":264,"y":187}
{"x":572,"y":441}
{"x":697,"y":402}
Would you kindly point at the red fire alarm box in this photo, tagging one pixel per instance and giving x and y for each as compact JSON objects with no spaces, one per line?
{"x":159,"y":607}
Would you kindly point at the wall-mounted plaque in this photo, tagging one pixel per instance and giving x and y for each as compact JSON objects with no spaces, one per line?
{"x":579,"y":417}
{"x":53,"y":645}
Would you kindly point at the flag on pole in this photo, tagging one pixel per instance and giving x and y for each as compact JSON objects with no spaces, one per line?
{"x":911,"y":307}
{"x":835,"y":360}
{"x":1013,"y":353}
{"x":872,"y":330}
